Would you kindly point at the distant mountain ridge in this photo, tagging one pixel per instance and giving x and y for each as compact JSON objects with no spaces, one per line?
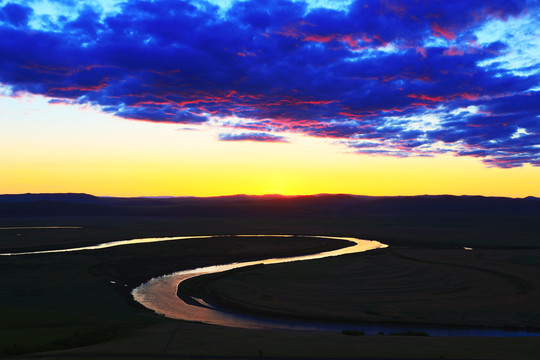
{"x":29,"y":197}
{"x":75,"y":204}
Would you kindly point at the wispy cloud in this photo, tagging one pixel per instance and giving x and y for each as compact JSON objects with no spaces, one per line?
{"x":262,"y":137}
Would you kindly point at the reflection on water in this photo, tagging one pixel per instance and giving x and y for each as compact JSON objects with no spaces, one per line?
{"x":161,"y":295}
{"x":106,"y":245}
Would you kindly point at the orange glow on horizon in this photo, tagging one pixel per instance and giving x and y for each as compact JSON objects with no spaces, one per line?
{"x":68,"y":148}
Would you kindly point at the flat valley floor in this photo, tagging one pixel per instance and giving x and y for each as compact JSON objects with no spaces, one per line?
{"x":78,"y":305}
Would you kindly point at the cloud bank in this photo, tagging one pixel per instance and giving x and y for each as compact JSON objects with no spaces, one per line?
{"x":398,"y":78}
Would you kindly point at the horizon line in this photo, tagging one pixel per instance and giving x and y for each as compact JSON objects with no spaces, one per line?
{"x":262,"y":195}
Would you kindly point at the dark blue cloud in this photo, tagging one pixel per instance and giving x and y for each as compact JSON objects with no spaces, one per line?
{"x":262,"y":137}
{"x":369,"y":75}
{"x":15,"y":14}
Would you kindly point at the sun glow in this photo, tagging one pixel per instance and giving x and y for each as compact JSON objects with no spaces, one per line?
{"x":49,"y":147}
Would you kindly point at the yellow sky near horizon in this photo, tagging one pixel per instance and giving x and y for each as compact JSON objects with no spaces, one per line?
{"x":73,"y":148}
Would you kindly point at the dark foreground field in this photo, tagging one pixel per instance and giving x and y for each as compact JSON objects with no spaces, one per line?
{"x":77,"y":305}
{"x":70,"y":299}
{"x":484,"y":288}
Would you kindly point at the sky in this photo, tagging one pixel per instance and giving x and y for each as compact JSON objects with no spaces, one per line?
{"x":207,"y":98}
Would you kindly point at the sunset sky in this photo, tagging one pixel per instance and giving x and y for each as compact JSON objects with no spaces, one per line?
{"x":171,"y":97}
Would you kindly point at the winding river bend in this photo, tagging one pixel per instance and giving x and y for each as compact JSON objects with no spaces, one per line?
{"x":160,"y":295}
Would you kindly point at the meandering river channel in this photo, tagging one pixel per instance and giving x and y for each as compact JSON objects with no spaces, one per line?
{"x":161,"y":295}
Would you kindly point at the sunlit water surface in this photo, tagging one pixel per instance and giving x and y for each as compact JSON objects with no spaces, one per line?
{"x":106,"y":245}
{"x":160,"y":295}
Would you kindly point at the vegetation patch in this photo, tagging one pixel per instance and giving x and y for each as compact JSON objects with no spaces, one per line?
{"x":353,"y":332}
{"x":410,"y":333}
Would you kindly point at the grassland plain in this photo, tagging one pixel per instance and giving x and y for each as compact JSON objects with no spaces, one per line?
{"x":498,"y":288}
{"x":67,"y":301}
{"x":183,"y":340}
{"x":53,"y":301}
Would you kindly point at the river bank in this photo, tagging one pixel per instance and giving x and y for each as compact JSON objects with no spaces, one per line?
{"x":78,"y":301}
{"x":184,"y":340}
{"x":84,"y":297}
{"x":487,"y":289}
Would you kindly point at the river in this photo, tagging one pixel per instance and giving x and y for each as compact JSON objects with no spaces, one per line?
{"x":161,"y":295}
